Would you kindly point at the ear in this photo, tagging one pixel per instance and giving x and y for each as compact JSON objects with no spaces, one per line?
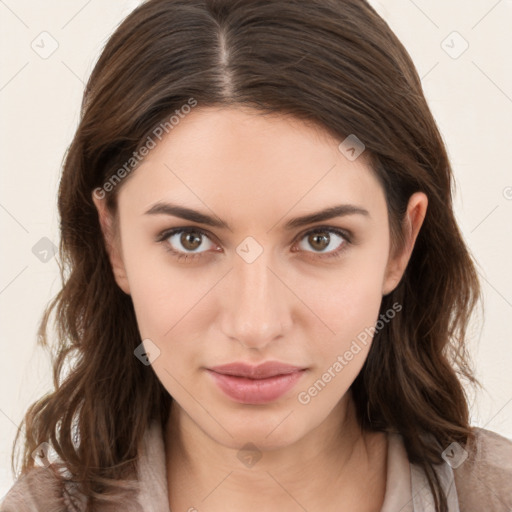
{"x":112,"y":243}
{"x":397,"y":263}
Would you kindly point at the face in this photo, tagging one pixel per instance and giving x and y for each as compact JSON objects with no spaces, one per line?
{"x":253,"y":284}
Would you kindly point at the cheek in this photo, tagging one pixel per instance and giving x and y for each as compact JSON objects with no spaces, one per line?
{"x":163,"y":302}
{"x":350,"y":310}
{"x":351,"y":314}
{"x":348,"y":303}
{"x":160,"y":293}
{"x":348,"y":299}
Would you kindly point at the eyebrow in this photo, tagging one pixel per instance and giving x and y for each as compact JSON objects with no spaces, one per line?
{"x":342,"y":210}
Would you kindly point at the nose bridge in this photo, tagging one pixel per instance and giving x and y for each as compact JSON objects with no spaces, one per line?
{"x":255,"y":309}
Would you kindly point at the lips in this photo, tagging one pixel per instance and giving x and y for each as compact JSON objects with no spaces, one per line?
{"x":261,"y":371}
{"x":260,"y":384}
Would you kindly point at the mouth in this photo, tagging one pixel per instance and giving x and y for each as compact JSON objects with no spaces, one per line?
{"x":261,"y":384}
{"x":261,"y":371}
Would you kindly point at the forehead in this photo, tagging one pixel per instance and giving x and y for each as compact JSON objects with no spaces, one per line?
{"x":241,"y":159}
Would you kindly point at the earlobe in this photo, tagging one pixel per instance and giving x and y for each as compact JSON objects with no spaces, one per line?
{"x":414,"y":217}
{"x":112,"y":243}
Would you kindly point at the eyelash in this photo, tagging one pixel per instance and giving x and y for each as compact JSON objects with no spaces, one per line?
{"x":188,"y":257}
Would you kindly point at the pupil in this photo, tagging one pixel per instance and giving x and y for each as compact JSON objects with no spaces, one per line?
{"x":188,"y":239}
{"x":318,"y":241}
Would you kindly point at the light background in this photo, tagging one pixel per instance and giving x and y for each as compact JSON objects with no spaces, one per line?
{"x":470,"y":95}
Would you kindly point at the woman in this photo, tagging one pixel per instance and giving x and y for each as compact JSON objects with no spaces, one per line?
{"x":267,"y":291}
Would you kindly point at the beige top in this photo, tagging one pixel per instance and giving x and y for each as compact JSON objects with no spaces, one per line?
{"x":480,"y":483}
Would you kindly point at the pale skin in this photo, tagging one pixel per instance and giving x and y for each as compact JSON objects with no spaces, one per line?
{"x":289,"y":304}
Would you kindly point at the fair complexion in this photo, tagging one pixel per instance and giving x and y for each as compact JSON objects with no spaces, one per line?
{"x":292,"y":304}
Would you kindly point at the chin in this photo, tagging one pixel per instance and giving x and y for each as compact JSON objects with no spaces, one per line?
{"x":268,"y":430}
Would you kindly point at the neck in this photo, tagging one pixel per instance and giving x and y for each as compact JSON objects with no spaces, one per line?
{"x":335,"y":457}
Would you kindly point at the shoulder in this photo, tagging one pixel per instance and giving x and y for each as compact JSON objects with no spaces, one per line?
{"x":47,"y":489}
{"x":39,"y":489}
{"x":484,"y":479}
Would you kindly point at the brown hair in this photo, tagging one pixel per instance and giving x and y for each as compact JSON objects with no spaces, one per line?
{"x":334,"y":63}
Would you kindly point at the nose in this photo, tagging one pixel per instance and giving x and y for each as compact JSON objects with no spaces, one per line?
{"x":256,"y":308}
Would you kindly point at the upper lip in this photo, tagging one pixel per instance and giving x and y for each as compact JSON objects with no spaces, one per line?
{"x":261,"y":371}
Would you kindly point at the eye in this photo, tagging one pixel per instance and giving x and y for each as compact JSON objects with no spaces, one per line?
{"x":185,"y":239}
{"x":190,"y":243}
{"x":323,"y":242}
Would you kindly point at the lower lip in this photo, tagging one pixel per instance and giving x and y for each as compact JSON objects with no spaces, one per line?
{"x":256,"y":391}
